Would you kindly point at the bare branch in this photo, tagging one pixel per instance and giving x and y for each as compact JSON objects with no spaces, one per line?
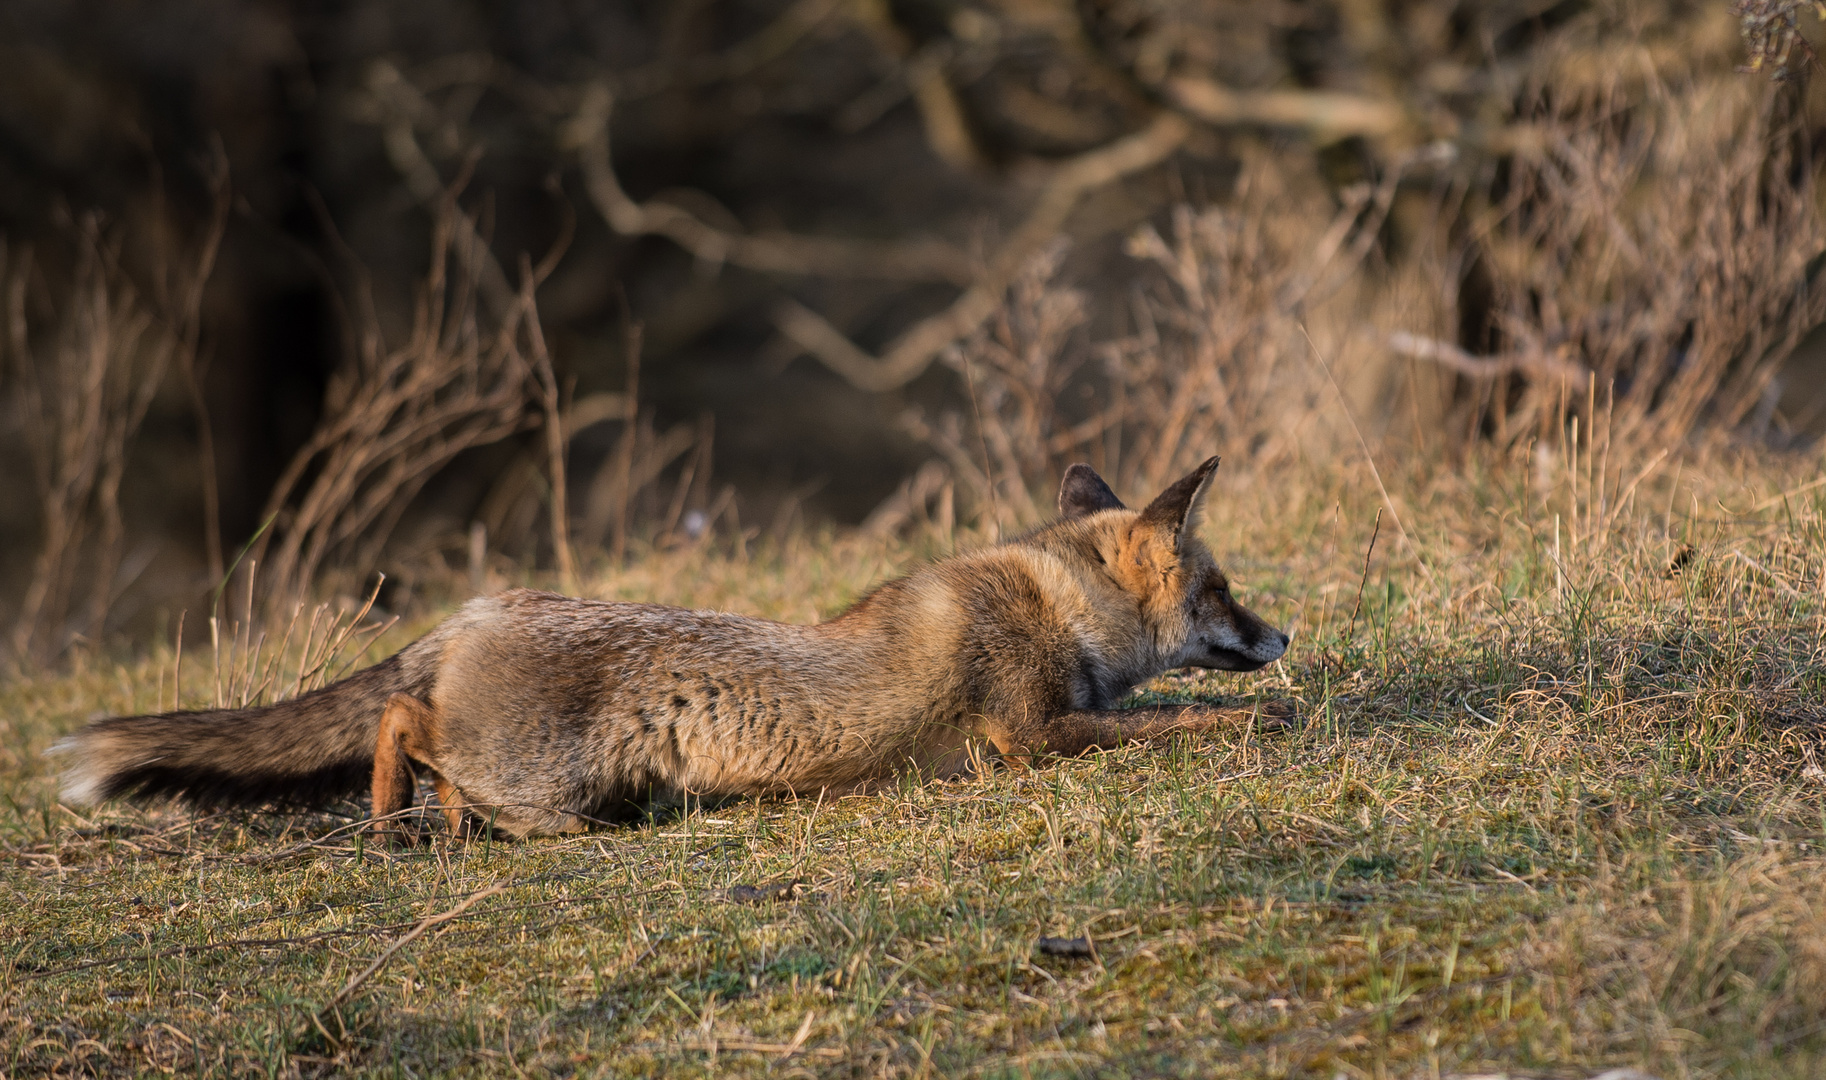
{"x":770,"y":43}
{"x":922,"y":70}
{"x":394,"y":415}
{"x":398,"y":107}
{"x":911,"y":353}
{"x":1321,"y":111}
{"x":773,"y":252}
{"x":1485,"y":367}
{"x":940,"y":111}
{"x":556,"y":434}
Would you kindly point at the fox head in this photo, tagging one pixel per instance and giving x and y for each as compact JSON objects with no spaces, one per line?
{"x":1156,"y":556}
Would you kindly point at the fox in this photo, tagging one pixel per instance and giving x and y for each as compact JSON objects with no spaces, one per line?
{"x":536,"y":713}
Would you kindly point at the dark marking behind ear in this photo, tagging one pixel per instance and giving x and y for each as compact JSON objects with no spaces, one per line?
{"x":1176,"y":509}
{"x":1084,"y":492}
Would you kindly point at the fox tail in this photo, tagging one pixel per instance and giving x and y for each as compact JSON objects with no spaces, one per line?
{"x":303,"y":751}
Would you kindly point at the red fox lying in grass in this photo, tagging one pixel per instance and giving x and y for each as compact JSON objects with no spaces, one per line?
{"x":540,"y":713}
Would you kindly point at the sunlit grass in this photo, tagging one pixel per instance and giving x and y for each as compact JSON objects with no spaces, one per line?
{"x":1550,"y":809}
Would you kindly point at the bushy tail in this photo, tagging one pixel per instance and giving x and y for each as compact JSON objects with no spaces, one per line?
{"x":303,"y":751}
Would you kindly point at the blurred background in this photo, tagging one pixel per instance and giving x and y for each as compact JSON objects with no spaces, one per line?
{"x":437,"y":287}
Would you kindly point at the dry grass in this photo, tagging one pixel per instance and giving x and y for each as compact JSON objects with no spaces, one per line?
{"x":1553,"y":809}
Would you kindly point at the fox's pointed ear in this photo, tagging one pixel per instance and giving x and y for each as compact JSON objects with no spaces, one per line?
{"x":1178,"y":510}
{"x":1084,"y":492}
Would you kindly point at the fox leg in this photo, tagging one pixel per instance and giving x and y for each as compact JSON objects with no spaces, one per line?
{"x":1068,"y":734}
{"x":456,"y":810}
{"x":406,"y":730}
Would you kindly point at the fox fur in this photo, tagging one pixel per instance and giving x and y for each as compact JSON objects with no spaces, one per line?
{"x":540,"y":713}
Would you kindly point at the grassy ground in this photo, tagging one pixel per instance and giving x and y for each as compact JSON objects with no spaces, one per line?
{"x":1555,"y":805}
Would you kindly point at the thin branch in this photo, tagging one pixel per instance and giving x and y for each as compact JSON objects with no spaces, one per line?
{"x":1351,"y":633}
{"x":922,"y":69}
{"x":910,"y":354}
{"x":940,"y":111}
{"x":187,"y":304}
{"x":774,"y":252}
{"x":1363,"y":444}
{"x":398,"y":107}
{"x":1451,"y":356}
{"x":1321,"y":111}
{"x":557,"y":435}
{"x":770,"y":43}
{"x":356,"y":983}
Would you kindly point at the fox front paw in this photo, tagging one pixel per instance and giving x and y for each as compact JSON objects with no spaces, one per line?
{"x":395,"y":834}
{"x":1277,"y":715}
{"x":1274,"y":715}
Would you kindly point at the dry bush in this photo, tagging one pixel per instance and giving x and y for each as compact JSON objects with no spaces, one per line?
{"x":395,"y":413}
{"x":626,"y":485}
{"x":1643,"y":262}
{"x":468,"y":371}
{"x":1243,"y":341}
{"x":1017,"y":373}
{"x":1658,"y":246}
{"x":473,"y":369}
{"x":80,"y":388}
{"x":1239,"y":321}
{"x":653,"y":487}
{"x":1643,"y":251}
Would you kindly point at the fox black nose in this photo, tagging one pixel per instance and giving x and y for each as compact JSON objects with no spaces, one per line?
{"x":1285,"y":640}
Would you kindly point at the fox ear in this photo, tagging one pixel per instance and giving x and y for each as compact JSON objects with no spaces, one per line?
{"x":1178,"y":510}
{"x":1084,"y":492}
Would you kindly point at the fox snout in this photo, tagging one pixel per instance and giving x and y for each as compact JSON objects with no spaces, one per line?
{"x":1244,"y":643}
{"x":1269,"y":648}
